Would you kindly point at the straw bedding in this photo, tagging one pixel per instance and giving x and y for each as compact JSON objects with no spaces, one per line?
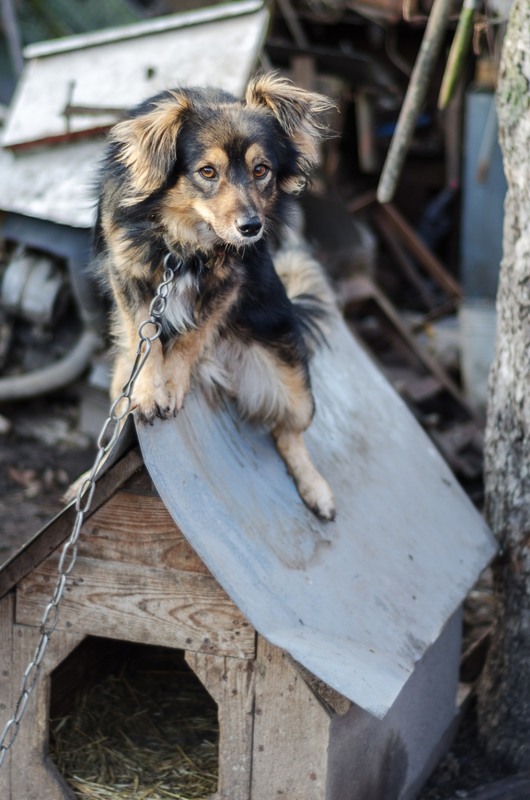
{"x":146,"y":732}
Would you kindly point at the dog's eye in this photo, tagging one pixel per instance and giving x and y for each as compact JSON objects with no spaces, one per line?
{"x":261,"y":170}
{"x":210,"y":173}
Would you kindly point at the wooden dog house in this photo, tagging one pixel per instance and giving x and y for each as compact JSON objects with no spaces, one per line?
{"x":331,"y":650}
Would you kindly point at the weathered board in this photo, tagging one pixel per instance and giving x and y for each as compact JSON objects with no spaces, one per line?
{"x":140,"y":604}
{"x":230,"y":682}
{"x":289,"y":720}
{"x":56,"y":183}
{"x":156,"y":541}
{"x":33,"y":773}
{"x":359,"y":601}
{"x":117,"y":69}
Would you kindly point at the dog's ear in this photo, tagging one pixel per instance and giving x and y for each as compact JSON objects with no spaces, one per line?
{"x":147,"y":143}
{"x":301,"y":114}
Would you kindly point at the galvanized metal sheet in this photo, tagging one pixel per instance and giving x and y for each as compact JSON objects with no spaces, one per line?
{"x":357,"y":601}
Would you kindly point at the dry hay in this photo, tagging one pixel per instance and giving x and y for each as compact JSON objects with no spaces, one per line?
{"x":149,"y":732}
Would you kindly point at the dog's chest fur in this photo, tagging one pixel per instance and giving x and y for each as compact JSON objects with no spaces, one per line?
{"x":203,"y":291}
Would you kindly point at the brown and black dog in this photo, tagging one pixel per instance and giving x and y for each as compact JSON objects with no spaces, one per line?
{"x":204,"y":180}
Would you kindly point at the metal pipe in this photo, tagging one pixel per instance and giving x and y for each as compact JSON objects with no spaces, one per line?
{"x":56,"y":375}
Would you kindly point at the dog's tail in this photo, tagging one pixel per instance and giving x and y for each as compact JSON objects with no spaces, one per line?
{"x":307,"y":287}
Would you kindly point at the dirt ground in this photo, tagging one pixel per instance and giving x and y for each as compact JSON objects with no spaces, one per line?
{"x":42,"y":451}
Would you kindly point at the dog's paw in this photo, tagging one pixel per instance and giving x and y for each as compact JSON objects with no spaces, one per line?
{"x":179,"y":393}
{"x":178,"y":385}
{"x":319,"y":498}
{"x":159,"y":402}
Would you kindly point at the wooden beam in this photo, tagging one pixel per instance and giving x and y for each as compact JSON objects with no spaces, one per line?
{"x":230,"y":682}
{"x":288,"y":719}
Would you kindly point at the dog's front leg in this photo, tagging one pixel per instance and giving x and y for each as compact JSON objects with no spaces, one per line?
{"x":180,"y":358}
{"x":288,"y":433}
{"x":153,"y":392}
{"x":312,"y":487}
{"x":151,"y":395}
{"x":166,"y":378}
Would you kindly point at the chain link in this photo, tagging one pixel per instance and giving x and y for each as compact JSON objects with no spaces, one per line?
{"x":85,"y":496}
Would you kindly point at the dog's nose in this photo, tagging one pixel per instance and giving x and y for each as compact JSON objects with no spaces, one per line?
{"x":249,"y":227}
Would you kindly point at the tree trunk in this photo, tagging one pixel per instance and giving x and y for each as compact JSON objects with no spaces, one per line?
{"x":504,"y":694}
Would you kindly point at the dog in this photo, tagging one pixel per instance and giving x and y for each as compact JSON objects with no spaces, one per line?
{"x":202,"y":181}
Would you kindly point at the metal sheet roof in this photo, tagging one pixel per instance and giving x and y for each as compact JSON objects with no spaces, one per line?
{"x":217,"y":46}
{"x":118,"y":69}
{"x":357,"y":601}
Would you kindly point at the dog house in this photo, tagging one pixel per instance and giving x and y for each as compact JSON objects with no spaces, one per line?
{"x":331,"y":650}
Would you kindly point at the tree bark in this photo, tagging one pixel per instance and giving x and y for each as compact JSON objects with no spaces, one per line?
{"x":504,"y":694}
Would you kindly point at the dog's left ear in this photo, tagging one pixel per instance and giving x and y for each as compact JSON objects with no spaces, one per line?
{"x":301,"y":114}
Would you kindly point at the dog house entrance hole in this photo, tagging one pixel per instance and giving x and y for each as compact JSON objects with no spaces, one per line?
{"x":131,"y":720}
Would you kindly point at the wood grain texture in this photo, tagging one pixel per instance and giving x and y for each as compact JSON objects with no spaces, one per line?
{"x":137,"y":529}
{"x":140,"y":604}
{"x":230,"y":682}
{"x":291,"y":732}
{"x":33,"y":773}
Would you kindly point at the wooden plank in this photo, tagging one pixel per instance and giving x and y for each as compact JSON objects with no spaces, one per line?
{"x":403,"y":260}
{"x":7,"y":614}
{"x":137,"y":529}
{"x":34,"y":774}
{"x":59,"y":529}
{"x":230,"y":682}
{"x":288,"y":720}
{"x":140,"y":604}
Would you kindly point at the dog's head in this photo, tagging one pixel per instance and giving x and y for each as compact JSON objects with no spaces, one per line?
{"x":219,"y":165}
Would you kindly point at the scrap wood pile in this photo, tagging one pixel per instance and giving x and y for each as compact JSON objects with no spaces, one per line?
{"x":148,"y":731}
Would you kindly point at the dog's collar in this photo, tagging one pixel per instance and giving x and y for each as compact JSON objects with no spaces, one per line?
{"x":182,"y":262}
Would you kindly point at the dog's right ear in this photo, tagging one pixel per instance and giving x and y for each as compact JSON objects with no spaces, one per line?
{"x":147,"y":143}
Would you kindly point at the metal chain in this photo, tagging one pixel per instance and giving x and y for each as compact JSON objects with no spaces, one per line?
{"x":108,"y":437}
